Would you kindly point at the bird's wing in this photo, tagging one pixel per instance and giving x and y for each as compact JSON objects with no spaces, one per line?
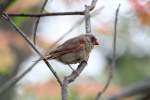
{"x":67,"y":46}
{"x":61,"y":51}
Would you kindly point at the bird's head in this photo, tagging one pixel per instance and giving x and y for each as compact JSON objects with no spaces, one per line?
{"x":93,"y":40}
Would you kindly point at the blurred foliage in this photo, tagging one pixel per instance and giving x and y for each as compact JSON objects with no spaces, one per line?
{"x":13,"y":49}
{"x":132,"y":69}
{"x":142,"y":10}
{"x":23,"y":6}
{"x":74,"y":95}
{"x":13,"y":2}
{"x":7,"y":57}
{"x":19,"y":20}
{"x":4,"y":4}
{"x":82,"y":90}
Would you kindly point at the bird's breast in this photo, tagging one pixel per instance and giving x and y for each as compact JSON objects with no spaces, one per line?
{"x":72,"y":58}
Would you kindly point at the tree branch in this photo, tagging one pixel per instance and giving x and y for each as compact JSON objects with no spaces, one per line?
{"x":112,"y":67}
{"x":37,"y":22}
{"x":87,"y":19}
{"x":71,"y":78}
{"x":46,"y":14}
{"x":92,"y":6}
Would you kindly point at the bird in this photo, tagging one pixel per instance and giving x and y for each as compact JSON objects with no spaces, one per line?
{"x":74,"y":50}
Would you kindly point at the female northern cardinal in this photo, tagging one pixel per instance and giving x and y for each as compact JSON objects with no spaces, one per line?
{"x":74,"y":50}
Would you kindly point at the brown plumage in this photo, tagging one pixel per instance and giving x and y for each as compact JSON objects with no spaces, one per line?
{"x":74,"y":50}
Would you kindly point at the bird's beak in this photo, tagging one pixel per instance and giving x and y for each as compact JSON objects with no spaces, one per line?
{"x":96,"y":43}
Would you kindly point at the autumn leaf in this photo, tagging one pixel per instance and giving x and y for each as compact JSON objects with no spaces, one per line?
{"x":142,"y":11}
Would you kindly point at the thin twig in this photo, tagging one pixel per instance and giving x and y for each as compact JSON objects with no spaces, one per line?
{"x":92,"y":6}
{"x":112,"y":68}
{"x":87,"y":20}
{"x":8,"y":19}
{"x":37,"y":22}
{"x":45,"y":14}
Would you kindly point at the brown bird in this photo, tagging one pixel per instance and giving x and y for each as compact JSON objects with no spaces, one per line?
{"x":74,"y":50}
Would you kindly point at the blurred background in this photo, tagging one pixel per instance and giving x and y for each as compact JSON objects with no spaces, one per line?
{"x":133,"y":49}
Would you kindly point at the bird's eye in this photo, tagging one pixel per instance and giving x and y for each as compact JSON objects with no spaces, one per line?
{"x":94,"y":41}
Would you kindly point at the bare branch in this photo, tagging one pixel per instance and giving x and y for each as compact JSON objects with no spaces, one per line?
{"x":45,"y":14}
{"x":112,"y":68}
{"x":92,"y":6}
{"x":87,"y":19}
{"x":8,"y":19}
{"x":71,"y":78}
{"x":87,"y":15}
{"x":115,"y":38}
{"x":37,"y":22}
